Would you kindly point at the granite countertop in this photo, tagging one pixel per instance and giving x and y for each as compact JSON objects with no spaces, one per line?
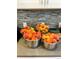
{"x":50,"y":16}
{"x":24,"y":51}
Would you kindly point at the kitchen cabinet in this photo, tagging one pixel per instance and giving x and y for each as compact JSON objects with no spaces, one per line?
{"x":35,"y":4}
{"x":27,"y":4}
{"x":53,"y":4}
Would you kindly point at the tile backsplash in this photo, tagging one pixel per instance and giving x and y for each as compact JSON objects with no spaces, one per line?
{"x":50,"y":16}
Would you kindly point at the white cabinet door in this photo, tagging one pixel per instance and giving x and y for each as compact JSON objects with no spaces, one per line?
{"x":53,"y":4}
{"x":34,"y":4}
{"x":27,"y":4}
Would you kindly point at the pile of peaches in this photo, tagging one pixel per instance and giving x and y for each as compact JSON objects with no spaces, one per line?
{"x":39,"y":32}
{"x":42,"y":27}
{"x":30,"y":33}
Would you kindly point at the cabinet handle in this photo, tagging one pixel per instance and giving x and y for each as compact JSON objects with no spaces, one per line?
{"x":47,"y":2}
{"x":44,"y":2}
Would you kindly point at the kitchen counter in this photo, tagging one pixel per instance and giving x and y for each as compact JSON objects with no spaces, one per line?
{"x":52,"y":17}
{"x":24,"y":51}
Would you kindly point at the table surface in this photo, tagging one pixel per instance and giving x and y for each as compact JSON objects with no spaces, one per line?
{"x":24,"y":51}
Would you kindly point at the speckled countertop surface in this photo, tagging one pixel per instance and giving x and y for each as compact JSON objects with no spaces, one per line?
{"x":24,"y":51}
{"x":50,"y":16}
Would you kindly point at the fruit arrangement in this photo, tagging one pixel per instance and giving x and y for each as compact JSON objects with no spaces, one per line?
{"x":30,"y":33}
{"x":33,"y":35}
{"x":50,"y":37}
{"x":42,"y":27}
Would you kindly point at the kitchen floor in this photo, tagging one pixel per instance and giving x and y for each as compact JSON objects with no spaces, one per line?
{"x":24,"y":51}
